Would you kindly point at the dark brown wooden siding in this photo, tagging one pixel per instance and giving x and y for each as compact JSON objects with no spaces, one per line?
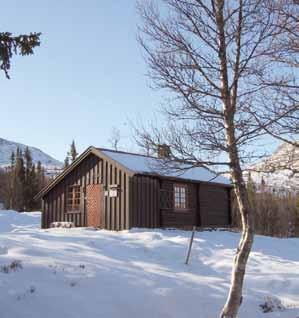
{"x":116,"y":209}
{"x":144,"y":198}
{"x":172,"y":218}
{"x":142,"y":201}
{"x":92,"y":170}
{"x":214,"y":205}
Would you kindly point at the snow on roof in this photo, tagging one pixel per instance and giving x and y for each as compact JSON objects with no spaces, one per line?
{"x":150,"y":165}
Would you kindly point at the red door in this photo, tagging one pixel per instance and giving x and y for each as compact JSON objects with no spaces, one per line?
{"x":94,"y":204}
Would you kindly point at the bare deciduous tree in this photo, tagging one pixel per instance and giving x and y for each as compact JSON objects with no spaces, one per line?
{"x":286,"y":52}
{"x":226,"y":89}
{"x":115,"y":138}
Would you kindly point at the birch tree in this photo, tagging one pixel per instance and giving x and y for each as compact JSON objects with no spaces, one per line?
{"x":215,"y":59}
{"x":115,"y":138}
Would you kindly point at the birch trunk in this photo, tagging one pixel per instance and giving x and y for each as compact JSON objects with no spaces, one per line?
{"x":234,"y":299}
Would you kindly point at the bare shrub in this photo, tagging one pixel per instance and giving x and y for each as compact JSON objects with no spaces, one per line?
{"x":12,"y":267}
{"x":275,"y":215}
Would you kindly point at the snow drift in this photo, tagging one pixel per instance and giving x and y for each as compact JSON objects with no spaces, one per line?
{"x":66,"y":273}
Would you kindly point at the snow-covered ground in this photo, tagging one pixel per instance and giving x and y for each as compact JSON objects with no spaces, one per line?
{"x":75,"y":273}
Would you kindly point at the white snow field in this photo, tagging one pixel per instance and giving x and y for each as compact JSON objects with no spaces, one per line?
{"x":84,"y":273}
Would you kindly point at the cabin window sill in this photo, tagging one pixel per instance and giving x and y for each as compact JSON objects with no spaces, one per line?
{"x":182,"y":210}
{"x":72,"y":212}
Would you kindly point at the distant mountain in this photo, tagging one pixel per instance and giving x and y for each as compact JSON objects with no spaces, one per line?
{"x":279,"y":168}
{"x":50,"y":164}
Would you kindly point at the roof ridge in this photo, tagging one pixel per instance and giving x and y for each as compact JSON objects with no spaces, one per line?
{"x":180,"y":161}
{"x":127,"y":152}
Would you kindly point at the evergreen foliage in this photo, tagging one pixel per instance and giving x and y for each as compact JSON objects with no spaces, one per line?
{"x":72,"y":154}
{"x":14,"y":45}
{"x":21,"y":181}
{"x":66,"y":162}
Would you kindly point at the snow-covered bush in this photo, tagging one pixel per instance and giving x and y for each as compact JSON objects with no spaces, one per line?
{"x":272,"y":304}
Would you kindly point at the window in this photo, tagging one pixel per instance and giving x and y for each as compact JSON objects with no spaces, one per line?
{"x":180,"y":196}
{"x":73,"y":198}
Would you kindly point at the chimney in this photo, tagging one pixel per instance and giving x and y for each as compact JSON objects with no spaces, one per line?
{"x":163,"y":151}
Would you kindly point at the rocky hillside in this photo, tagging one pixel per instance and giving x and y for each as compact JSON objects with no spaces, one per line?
{"x":7,"y":147}
{"x":281,"y":169}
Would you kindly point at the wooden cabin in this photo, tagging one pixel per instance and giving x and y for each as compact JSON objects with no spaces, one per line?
{"x":118,"y":190}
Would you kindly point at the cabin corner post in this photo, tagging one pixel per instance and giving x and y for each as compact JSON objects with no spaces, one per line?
{"x":43,"y":225}
{"x":198,"y":214}
{"x":230,"y":218}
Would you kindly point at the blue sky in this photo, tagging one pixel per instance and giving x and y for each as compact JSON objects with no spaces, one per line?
{"x":87,"y":77}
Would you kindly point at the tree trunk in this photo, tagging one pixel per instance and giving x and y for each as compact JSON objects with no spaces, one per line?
{"x":234,"y":299}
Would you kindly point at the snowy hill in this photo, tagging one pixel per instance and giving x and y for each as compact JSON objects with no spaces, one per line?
{"x":7,"y":147}
{"x":276,"y":175}
{"x":75,"y":273}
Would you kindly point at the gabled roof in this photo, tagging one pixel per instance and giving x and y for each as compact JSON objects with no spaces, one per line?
{"x":141,"y":164}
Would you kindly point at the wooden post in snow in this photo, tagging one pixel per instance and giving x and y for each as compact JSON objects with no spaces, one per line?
{"x":190,"y":245}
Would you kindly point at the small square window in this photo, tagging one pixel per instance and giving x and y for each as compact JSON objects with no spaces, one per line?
{"x":73,"y":198}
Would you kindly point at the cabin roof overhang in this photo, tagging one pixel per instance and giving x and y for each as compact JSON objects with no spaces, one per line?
{"x":74,"y":164}
{"x":178,"y":179}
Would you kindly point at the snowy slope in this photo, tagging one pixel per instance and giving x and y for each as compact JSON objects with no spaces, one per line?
{"x":7,"y":147}
{"x":75,"y":273}
{"x":285,"y":156}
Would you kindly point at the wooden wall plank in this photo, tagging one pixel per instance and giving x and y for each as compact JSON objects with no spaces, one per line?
{"x":117,"y":200}
{"x":214,"y":205}
{"x":127,"y":201}
{"x":144,"y":208}
{"x":108,"y":207}
{"x":104,"y":177}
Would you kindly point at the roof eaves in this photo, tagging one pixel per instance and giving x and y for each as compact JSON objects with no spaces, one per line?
{"x":66,"y":171}
{"x":157,"y":175}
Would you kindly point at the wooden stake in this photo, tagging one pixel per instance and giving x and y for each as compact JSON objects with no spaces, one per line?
{"x":190,"y":245}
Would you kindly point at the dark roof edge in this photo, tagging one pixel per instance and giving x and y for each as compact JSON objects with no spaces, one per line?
{"x":60,"y":176}
{"x":225,"y":185}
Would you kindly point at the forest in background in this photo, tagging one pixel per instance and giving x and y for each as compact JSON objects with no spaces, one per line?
{"x":21,"y":181}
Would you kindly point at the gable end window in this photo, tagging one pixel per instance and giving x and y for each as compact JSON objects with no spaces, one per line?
{"x":180,"y":196}
{"x":73,"y":198}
